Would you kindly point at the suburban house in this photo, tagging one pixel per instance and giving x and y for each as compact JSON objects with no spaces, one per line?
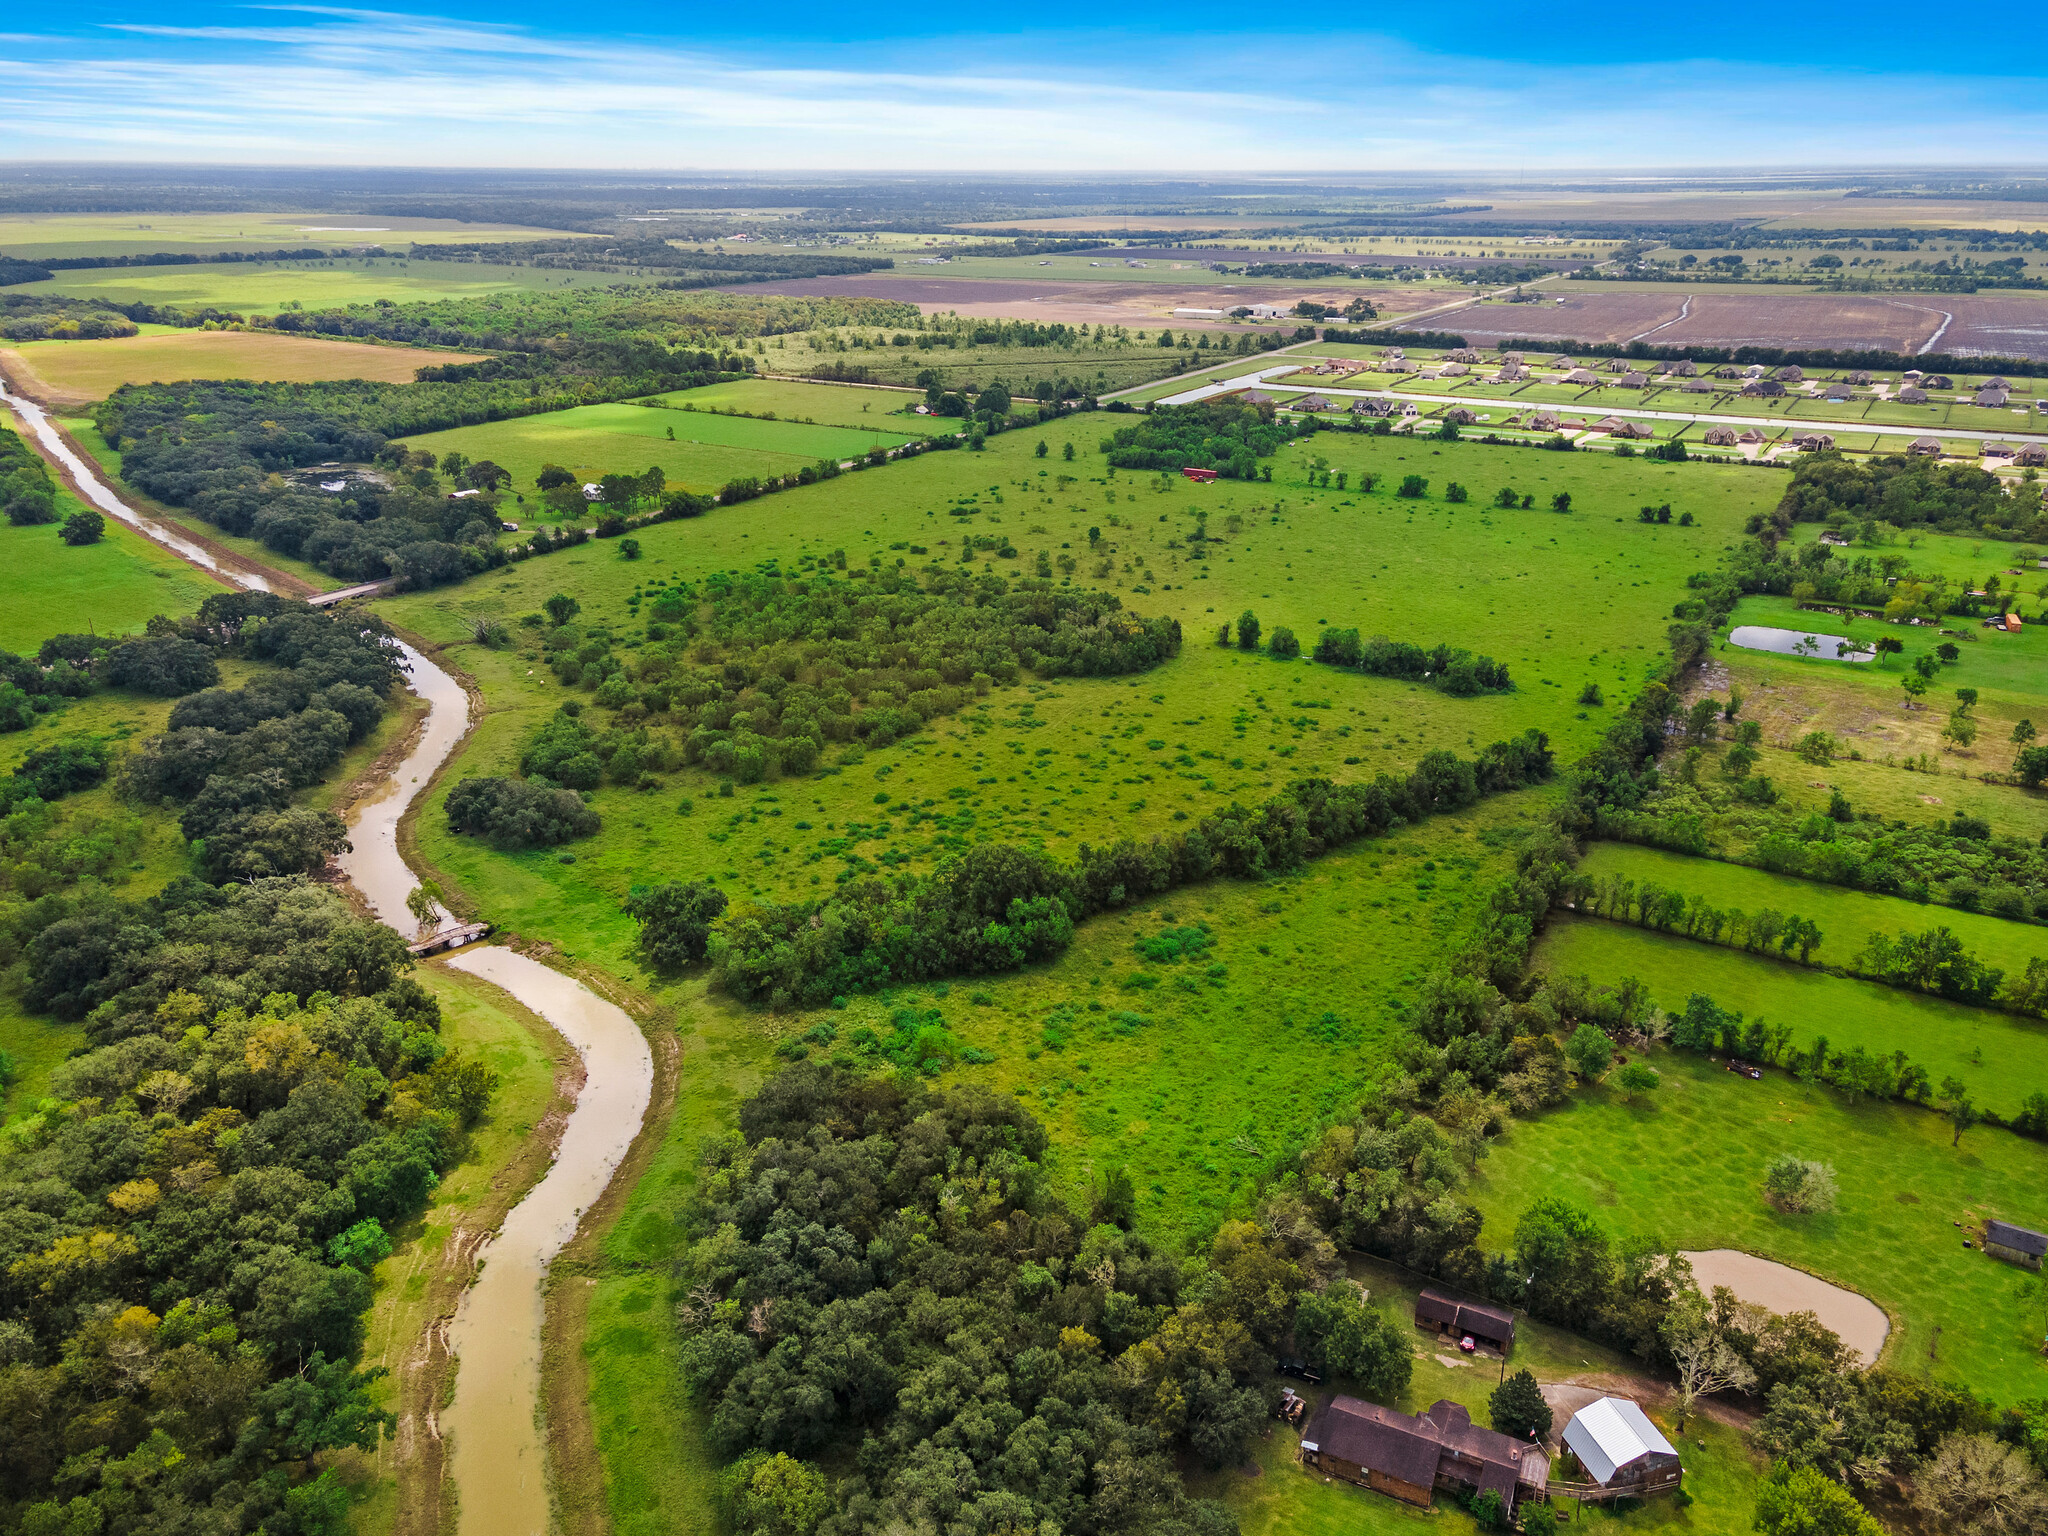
{"x":1447,"y":1315}
{"x":1543,"y":421}
{"x":1311,"y":403}
{"x":1991,"y":397}
{"x":1719,"y":437}
{"x":1995,"y":451}
{"x":2016,"y":1245}
{"x":1618,"y":365}
{"x":1581,"y":376}
{"x":1461,"y":355}
{"x":1258,"y":397}
{"x":1458,"y":415}
{"x":1812,"y":442}
{"x":1860,"y":376}
{"x":2033,"y":456}
{"x":1634,"y":381}
{"x":1510,"y":373}
{"x":1620,"y":1448}
{"x":1912,"y":394}
{"x":1751,"y":435}
{"x":1680,"y":369}
{"x":1839,"y":390}
{"x":1769,"y":388}
{"x":1697,"y":387}
{"x":1937,"y":381}
{"x":1372,"y":407}
{"x":1925,"y":447}
{"x":1452,"y":370}
{"x":1791,"y":373}
{"x":1410,"y":1458}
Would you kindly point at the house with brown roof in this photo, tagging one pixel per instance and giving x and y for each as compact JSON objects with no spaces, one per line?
{"x":1452,"y":370}
{"x":1860,"y":376}
{"x":1751,"y":436}
{"x":1766,"y":388}
{"x":1453,"y":1317}
{"x":1459,"y":415}
{"x":1633,"y":381}
{"x":1680,"y":369}
{"x":1409,"y":1458}
{"x":1995,"y":450}
{"x":1925,"y":447}
{"x":1912,"y":394}
{"x":1991,"y":397}
{"x":1937,"y":381}
{"x":1461,"y":355}
{"x":1511,"y":373}
{"x":2032,"y":456}
{"x":1543,"y":421}
{"x":1719,"y":437}
{"x":1697,"y":387}
{"x":1839,"y":390}
{"x":1311,"y":403}
{"x":1581,"y":376}
{"x":1619,"y":365}
{"x":1812,"y":442}
{"x":1791,"y":373}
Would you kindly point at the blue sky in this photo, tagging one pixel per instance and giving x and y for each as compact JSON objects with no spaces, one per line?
{"x":1136,"y":87}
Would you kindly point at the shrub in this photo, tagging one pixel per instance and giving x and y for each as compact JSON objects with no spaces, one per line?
{"x":1796,"y":1185}
{"x":675,"y":922}
{"x":84,"y":527}
{"x":1283,"y":645}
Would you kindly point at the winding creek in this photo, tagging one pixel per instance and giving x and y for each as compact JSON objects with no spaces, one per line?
{"x":495,"y":1455}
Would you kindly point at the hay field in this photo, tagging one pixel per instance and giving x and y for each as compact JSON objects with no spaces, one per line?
{"x":77,"y":372}
{"x":836,"y":405}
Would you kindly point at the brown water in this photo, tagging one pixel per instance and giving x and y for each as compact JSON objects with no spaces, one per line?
{"x":495,"y":1454}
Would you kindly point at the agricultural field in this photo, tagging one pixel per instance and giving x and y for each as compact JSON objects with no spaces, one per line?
{"x":832,"y":405}
{"x":40,"y":236}
{"x":700,"y":450}
{"x":111,"y":586}
{"x":1849,"y":918}
{"x":74,"y":373}
{"x":331,"y":283}
{"x":2000,"y":1057}
{"x":1684,"y":1165}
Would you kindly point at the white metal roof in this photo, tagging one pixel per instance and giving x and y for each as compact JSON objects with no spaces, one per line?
{"x":1610,"y":1434}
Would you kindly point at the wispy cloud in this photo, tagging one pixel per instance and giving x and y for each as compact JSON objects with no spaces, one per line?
{"x":337,"y":85}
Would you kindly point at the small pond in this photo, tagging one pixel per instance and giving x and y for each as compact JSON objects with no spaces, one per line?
{"x":1798,"y":642}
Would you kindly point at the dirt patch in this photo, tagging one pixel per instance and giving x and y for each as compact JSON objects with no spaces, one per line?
{"x":1860,"y":1321}
{"x":1839,"y":320}
{"x":1581,"y":317}
{"x":1999,"y":324}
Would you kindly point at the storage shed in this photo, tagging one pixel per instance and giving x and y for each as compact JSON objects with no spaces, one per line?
{"x":2016,"y":1245}
{"x":1446,"y":1315}
{"x":1620,"y":1448}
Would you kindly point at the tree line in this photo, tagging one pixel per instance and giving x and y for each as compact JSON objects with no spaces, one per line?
{"x":189,"y":1220}
{"x":1452,"y":671}
{"x":1228,"y":436}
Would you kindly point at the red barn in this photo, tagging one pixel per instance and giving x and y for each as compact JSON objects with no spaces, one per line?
{"x":1199,"y":474}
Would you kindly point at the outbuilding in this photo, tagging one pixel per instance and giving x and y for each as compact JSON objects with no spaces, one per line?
{"x":1409,"y":1458}
{"x":1452,"y":1316}
{"x":2016,"y":1245}
{"x":1620,"y":1448}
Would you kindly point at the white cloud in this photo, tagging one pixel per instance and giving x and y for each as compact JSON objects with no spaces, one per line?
{"x":343,"y":86}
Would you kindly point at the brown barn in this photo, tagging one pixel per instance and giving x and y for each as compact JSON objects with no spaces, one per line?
{"x":1447,"y":1315}
{"x":1410,"y":1458}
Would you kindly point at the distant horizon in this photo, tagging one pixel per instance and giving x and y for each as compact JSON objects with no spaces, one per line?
{"x":1184,"y":89}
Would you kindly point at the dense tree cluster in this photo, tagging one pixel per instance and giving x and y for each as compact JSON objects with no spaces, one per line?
{"x":1227,"y":436}
{"x":995,"y":908}
{"x":1917,"y":493}
{"x":759,"y":673}
{"x":186,"y":1225}
{"x":519,"y":813}
{"x":1456,"y":672}
{"x":883,"y":1267}
{"x":28,"y":496}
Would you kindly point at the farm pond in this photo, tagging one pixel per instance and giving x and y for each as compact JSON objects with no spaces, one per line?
{"x":1796,"y":642}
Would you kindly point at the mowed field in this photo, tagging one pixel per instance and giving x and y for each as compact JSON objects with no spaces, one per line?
{"x":34,"y":236}
{"x":243,"y":286}
{"x":2001,"y":1057}
{"x":833,"y":405}
{"x":698,"y":449}
{"x":75,"y":372}
{"x":1684,"y":1166}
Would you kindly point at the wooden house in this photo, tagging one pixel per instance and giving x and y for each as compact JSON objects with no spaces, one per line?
{"x":1409,"y":1458}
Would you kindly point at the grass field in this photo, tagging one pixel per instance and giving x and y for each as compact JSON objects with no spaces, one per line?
{"x":412,"y":1286}
{"x":109,"y":587}
{"x":1847,"y":917}
{"x":2001,"y":1058}
{"x":75,"y":371}
{"x":34,"y":236}
{"x":340,"y":280}
{"x":705,"y":452}
{"x":835,"y":405}
{"x":1685,"y":1167}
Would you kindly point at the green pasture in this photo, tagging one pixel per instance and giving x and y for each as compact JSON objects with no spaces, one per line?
{"x":86,"y":433}
{"x":109,"y":587}
{"x":836,"y":405}
{"x":1848,"y":917}
{"x":38,"y":1045}
{"x":2001,"y":1058}
{"x":1898,"y":793}
{"x":1960,"y":557}
{"x":485,"y":1024}
{"x":51,"y":236}
{"x":327,"y":284}
{"x":1092,"y":759}
{"x":1684,"y":1166}
{"x":1101,"y":361}
{"x":706,"y":451}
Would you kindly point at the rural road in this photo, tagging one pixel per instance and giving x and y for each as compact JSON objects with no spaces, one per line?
{"x":95,"y":490}
{"x":1259,"y":381}
{"x":495,"y":1454}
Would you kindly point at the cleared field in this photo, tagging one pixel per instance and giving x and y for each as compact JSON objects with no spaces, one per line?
{"x":2001,"y":1058}
{"x":72,"y":373}
{"x":835,"y":405}
{"x":1849,"y":918}
{"x":109,"y":587}
{"x":704,"y":452}
{"x":1684,"y":1166}
{"x":244,"y":286}
{"x":51,"y":235}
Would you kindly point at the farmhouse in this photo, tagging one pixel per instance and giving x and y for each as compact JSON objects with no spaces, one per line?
{"x":1620,"y":1448}
{"x":1410,"y":1458}
{"x":1926,"y":447}
{"x":1451,"y":1317}
{"x":1719,"y":437}
{"x":1911,"y":395}
{"x":2016,"y":1245}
